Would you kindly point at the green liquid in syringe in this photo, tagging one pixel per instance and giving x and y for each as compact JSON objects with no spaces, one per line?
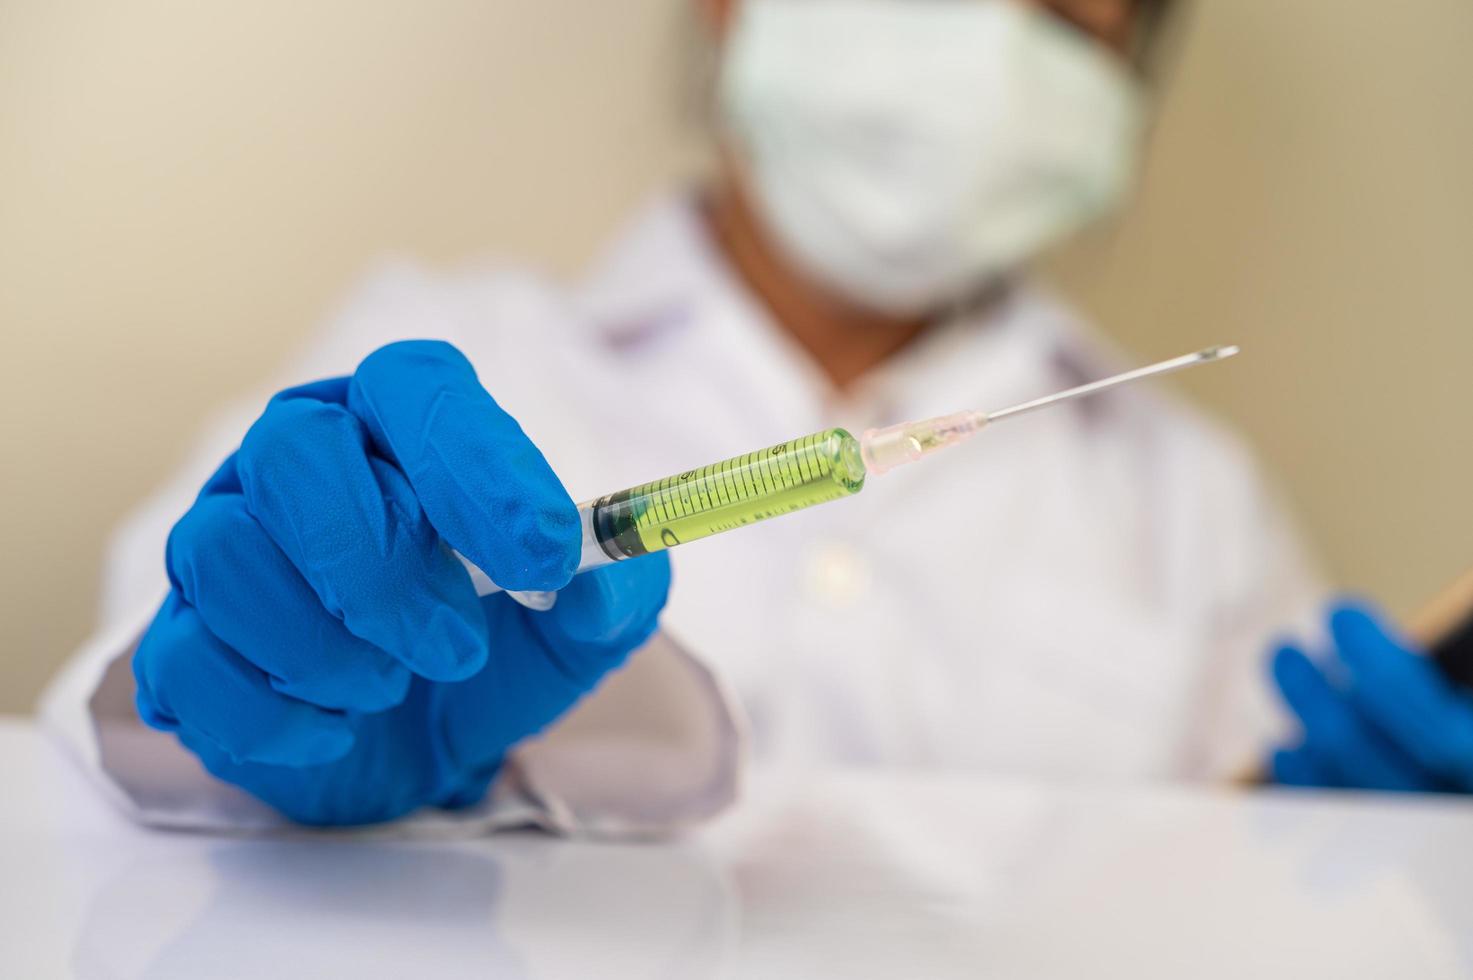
{"x":743,"y":490}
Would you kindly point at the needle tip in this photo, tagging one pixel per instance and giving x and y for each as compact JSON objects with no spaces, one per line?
{"x":1221,"y":353}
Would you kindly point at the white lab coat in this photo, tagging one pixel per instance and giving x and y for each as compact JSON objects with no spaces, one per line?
{"x":1084,"y":592}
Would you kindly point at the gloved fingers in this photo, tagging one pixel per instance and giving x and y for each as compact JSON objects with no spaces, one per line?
{"x":484,"y":485}
{"x":541,"y":663}
{"x":226,"y":478}
{"x":1339,"y":740}
{"x":350,"y":524}
{"x":225,"y":565}
{"x":1405,"y":694}
{"x":188,"y":680}
{"x":1298,"y":767}
{"x":304,"y":785}
{"x":369,"y":785}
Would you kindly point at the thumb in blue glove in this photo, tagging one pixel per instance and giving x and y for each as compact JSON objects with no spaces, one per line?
{"x":1378,"y":715}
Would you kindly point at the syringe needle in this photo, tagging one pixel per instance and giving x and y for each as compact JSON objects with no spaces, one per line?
{"x":895,"y":445}
{"x":1165,"y":367}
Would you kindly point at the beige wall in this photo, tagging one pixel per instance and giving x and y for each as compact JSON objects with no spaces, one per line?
{"x":185,"y":187}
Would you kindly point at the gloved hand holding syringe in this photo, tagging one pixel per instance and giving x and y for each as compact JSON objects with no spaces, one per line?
{"x":788,"y":477}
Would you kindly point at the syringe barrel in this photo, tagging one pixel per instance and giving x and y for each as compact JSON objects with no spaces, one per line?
{"x":755,"y":486}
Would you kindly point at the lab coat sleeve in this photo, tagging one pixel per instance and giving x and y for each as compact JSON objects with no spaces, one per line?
{"x":655,"y":748}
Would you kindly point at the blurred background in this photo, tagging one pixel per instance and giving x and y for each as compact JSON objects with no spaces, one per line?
{"x":185,"y":189}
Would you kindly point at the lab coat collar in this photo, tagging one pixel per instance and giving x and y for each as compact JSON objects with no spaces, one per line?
{"x":664,"y":288}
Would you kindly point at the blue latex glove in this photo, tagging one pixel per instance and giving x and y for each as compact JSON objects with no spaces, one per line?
{"x":1378,"y":715}
{"x":322,"y":648}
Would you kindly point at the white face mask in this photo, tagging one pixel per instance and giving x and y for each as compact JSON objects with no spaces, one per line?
{"x":904,"y":152}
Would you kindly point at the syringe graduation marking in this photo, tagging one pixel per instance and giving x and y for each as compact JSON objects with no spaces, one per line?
{"x":731,"y":493}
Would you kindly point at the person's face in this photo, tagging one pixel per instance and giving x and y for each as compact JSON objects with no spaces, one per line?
{"x":975,"y":134}
{"x":1112,"y":23}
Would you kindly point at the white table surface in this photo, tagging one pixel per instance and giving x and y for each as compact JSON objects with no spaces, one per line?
{"x":838,"y":875}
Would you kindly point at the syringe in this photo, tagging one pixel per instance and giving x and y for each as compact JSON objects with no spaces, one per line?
{"x":781,"y":479}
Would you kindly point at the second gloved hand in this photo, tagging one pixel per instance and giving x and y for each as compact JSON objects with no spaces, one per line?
{"x":1378,"y":715}
{"x":322,"y":648}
